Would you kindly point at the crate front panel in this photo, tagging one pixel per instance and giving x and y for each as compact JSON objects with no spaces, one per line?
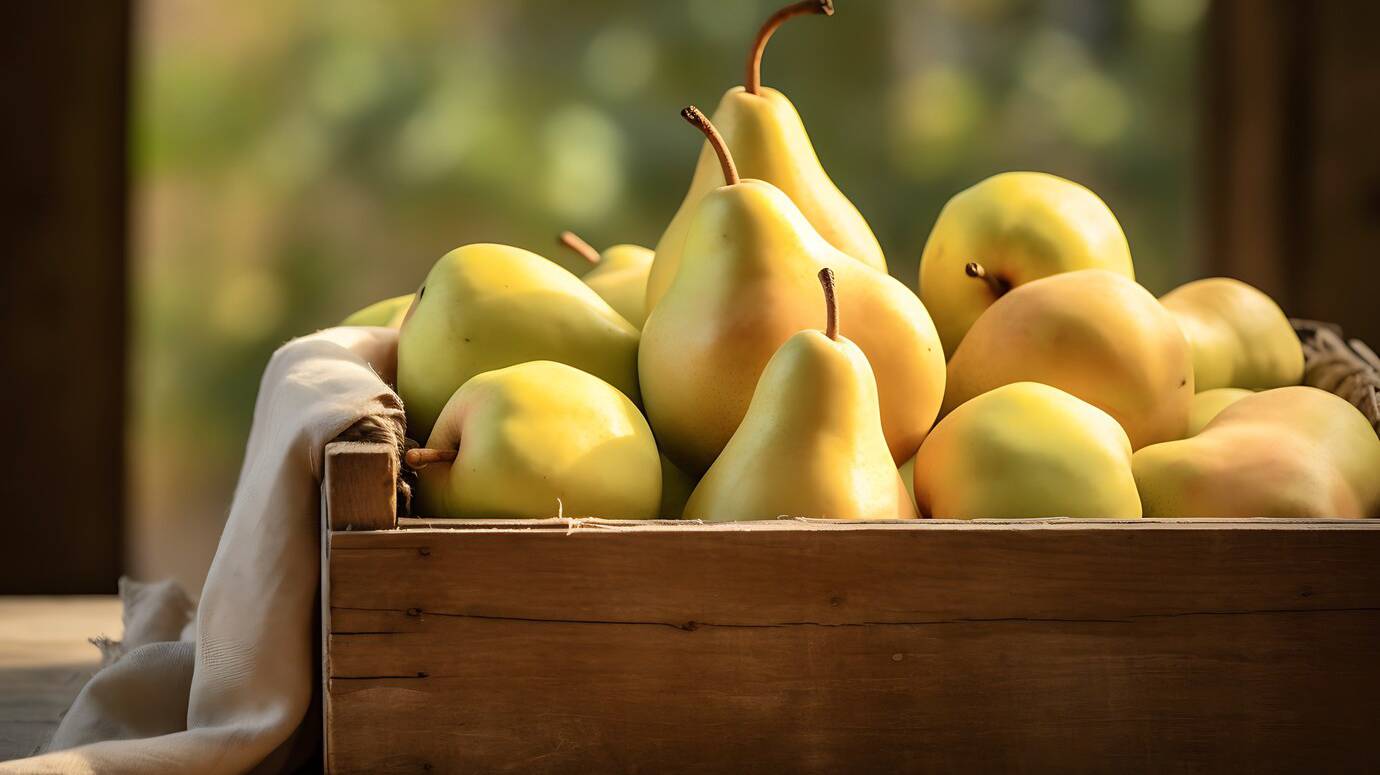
{"x":821,"y":647}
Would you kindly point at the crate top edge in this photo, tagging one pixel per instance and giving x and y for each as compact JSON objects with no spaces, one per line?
{"x":592,"y":525}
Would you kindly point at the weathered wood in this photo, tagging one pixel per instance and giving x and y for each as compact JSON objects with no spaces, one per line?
{"x":45,"y":659}
{"x":360,"y":488}
{"x":816,"y":646}
{"x":65,"y":287}
{"x":1291,"y":164}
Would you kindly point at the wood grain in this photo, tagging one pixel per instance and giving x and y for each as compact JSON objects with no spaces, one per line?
{"x":45,"y":659}
{"x":825,"y":647}
{"x":360,"y":487}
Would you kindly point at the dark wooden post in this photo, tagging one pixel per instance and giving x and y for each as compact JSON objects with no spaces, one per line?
{"x":1293,"y":155}
{"x":63,"y":293}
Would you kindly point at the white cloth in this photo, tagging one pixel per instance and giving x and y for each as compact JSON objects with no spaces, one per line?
{"x":238,"y":698}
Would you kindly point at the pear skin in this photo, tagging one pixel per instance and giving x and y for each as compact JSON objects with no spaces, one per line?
{"x":750,"y":287}
{"x":1210,"y":403}
{"x":484,"y":307}
{"x":1240,"y":337}
{"x":769,"y":143}
{"x":1026,"y":450}
{"x":1287,"y":452}
{"x":619,"y":275}
{"x":1091,"y":333}
{"x":676,"y":486}
{"x":541,"y":439}
{"x":388,"y":313}
{"x":1017,"y":226}
{"x":811,"y":443}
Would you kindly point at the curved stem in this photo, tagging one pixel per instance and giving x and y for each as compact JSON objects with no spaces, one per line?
{"x":572,"y":240}
{"x":978,"y":271}
{"x":716,"y":141}
{"x":753,"y":82}
{"x":421,"y":457}
{"x":831,"y":305}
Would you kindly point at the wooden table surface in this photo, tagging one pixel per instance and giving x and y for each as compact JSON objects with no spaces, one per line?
{"x":45,"y":659}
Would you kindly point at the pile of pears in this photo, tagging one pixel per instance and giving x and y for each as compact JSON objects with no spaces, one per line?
{"x":760,"y":363}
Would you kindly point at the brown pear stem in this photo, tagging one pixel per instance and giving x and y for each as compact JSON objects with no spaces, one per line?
{"x":421,"y":457}
{"x":716,"y":141}
{"x":978,"y":271}
{"x":753,"y":82}
{"x":572,"y":240}
{"x":831,"y":305}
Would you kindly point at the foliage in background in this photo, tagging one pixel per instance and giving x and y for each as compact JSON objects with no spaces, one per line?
{"x":295,"y":161}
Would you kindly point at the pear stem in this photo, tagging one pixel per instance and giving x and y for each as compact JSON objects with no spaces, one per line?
{"x":831,"y":305}
{"x":753,"y":82}
{"x":978,"y":271}
{"x":421,"y":457}
{"x":716,"y":141}
{"x":572,"y":240}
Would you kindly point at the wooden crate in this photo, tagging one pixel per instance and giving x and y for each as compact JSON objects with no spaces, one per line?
{"x":823,"y":646}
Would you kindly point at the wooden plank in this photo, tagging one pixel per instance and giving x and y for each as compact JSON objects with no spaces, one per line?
{"x":827,"y":647}
{"x":45,"y":659}
{"x":360,"y":486}
{"x":64,"y":284}
{"x":1292,"y":167}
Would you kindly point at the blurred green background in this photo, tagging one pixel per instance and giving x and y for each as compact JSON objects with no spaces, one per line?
{"x":295,"y":161}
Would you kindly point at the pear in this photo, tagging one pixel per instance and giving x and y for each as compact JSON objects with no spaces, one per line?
{"x":769,"y":143}
{"x":748,"y":284}
{"x":1092,"y":333}
{"x":1026,"y":450}
{"x":1006,"y":231}
{"x":1240,"y":337}
{"x":1286,"y":452}
{"x":1210,"y":403}
{"x":539,"y":439}
{"x":389,"y":312}
{"x":676,"y":486}
{"x":811,"y":443}
{"x":484,"y":307}
{"x":907,"y":472}
{"x":619,"y":275}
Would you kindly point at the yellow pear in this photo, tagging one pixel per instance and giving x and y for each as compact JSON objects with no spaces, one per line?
{"x":619,"y":275}
{"x":1091,"y":333}
{"x":769,"y":143}
{"x":539,"y":439}
{"x":1210,"y":403}
{"x":907,"y":472}
{"x":811,"y":443}
{"x":1006,"y":231}
{"x":1240,"y":337}
{"x":1287,"y":452}
{"x":676,"y":486}
{"x":484,"y":307}
{"x":747,"y":286}
{"x":389,"y":312}
{"x":1026,"y":450}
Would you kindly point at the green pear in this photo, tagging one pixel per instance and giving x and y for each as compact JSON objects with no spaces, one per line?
{"x":486,"y":306}
{"x":676,"y":486}
{"x":389,"y":312}
{"x":1287,"y":452}
{"x":769,"y":143}
{"x":1210,"y":403}
{"x":539,"y":439}
{"x":747,"y":286}
{"x":811,"y":443}
{"x":619,"y":275}
{"x":1026,"y":450}
{"x":1240,"y":337}
{"x":1091,"y":333}
{"x":1006,"y":231}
